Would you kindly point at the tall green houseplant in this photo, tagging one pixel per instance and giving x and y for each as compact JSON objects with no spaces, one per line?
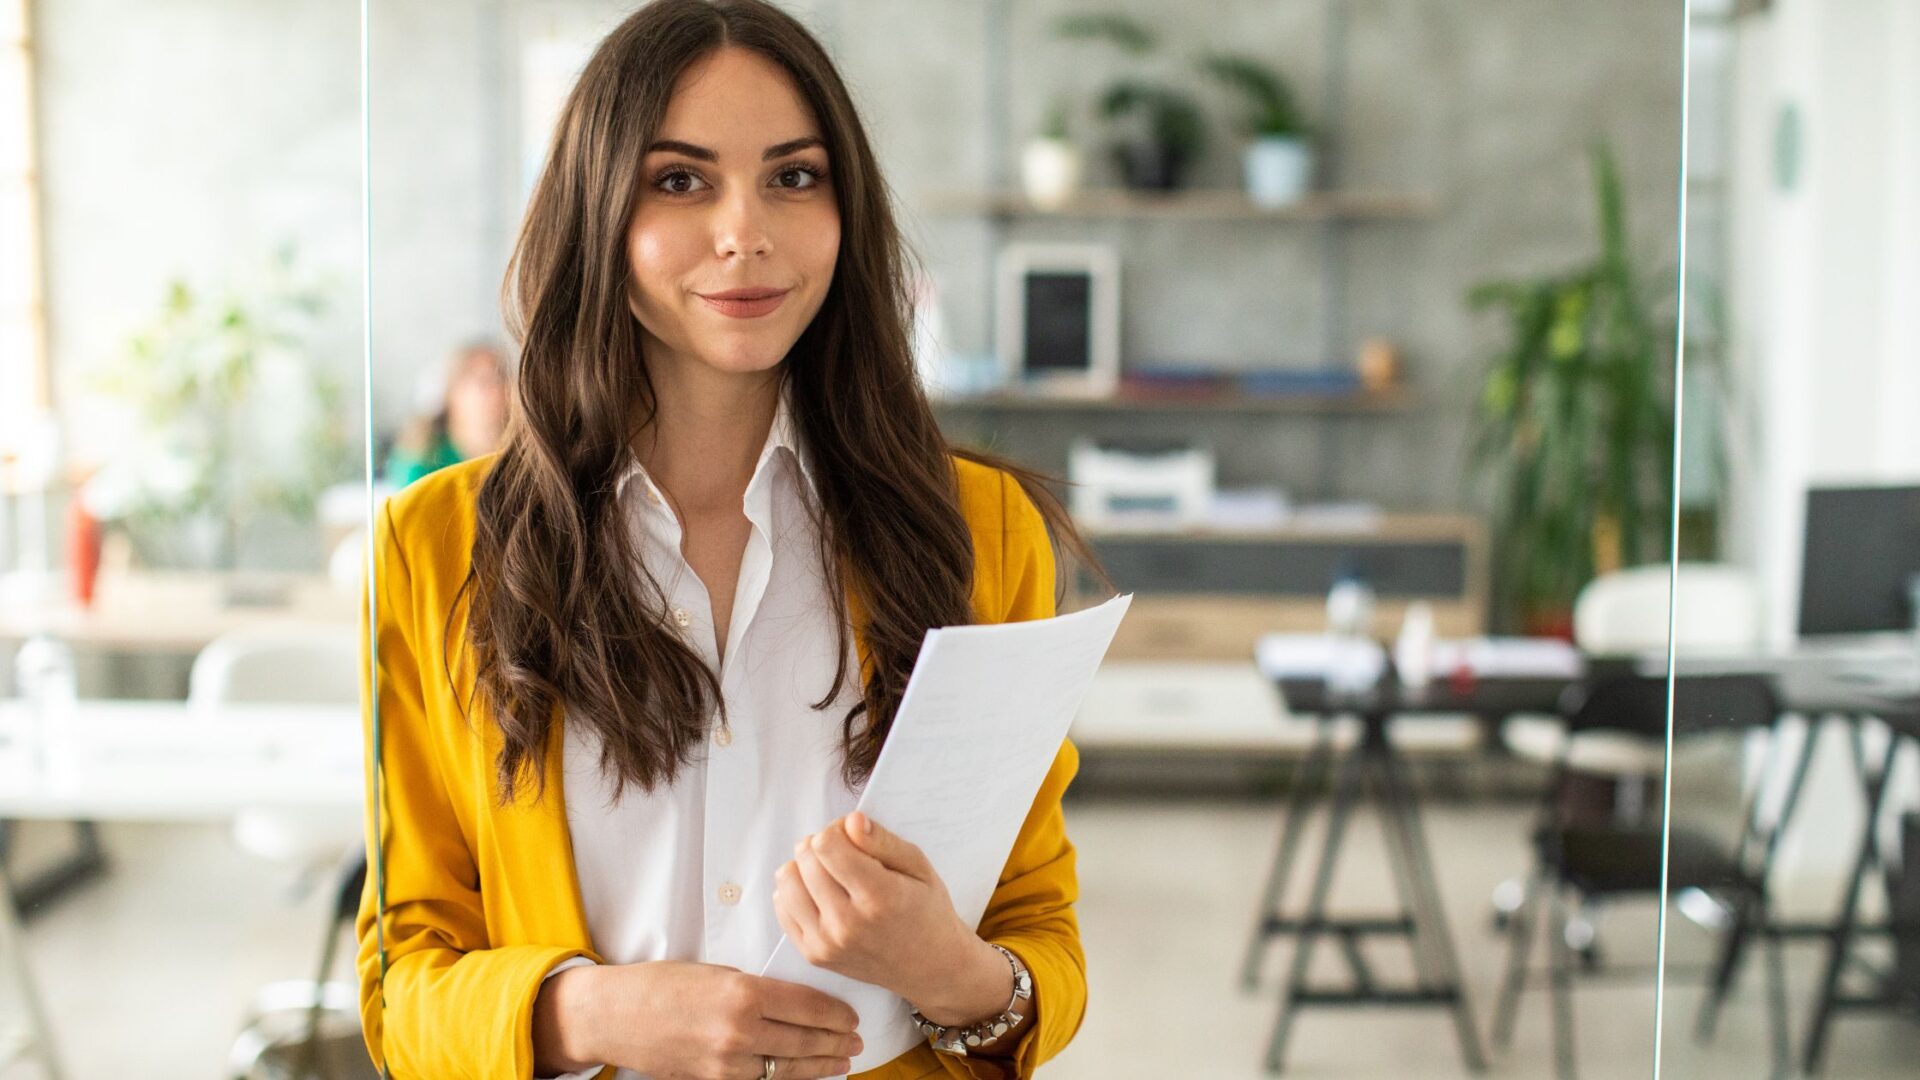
{"x":1575,"y":424}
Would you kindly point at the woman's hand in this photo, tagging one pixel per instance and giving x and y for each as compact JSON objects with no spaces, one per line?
{"x":688,"y":1021}
{"x":860,"y":901}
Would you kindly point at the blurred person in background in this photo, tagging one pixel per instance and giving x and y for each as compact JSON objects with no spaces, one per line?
{"x":470,"y":420}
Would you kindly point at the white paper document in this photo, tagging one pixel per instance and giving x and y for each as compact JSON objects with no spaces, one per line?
{"x":979,"y":725}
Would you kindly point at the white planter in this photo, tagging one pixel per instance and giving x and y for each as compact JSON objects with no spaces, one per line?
{"x":1050,"y":172}
{"x":1279,"y":170}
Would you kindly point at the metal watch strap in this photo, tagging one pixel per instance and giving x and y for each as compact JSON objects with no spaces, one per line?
{"x":986,"y":1032}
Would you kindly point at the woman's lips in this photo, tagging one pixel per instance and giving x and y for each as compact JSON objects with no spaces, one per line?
{"x":739,"y":308}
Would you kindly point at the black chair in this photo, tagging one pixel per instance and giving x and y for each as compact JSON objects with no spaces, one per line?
{"x":1597,"y":857}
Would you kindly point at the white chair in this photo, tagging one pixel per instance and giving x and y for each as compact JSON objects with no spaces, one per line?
{"x":279,"y":663}
{"x":292,"y":665}
{"x":289,"y":665}
{"x":1625,"y":613}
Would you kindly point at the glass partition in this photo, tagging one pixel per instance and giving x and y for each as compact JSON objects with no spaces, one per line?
{"x":1793,"y":949}
{"x":1344,"y":333}
{"x":181,"y":503}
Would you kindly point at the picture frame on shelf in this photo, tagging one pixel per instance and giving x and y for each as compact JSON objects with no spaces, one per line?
{"x":1058,"y":328}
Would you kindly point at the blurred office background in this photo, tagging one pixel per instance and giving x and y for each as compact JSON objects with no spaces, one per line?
{"x":1799,"y":676}
{"x":1416,"y":392}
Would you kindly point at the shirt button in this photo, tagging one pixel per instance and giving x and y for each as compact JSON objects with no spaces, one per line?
{"x":683,"y":616}
{"x":729,"y":894}
{"x":724,"y":737}
{"x":653,"y":497}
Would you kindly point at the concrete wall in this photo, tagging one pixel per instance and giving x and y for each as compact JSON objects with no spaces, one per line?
{"x":249,"y":127}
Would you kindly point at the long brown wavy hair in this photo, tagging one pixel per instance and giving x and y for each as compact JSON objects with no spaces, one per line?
{"x":555,"y":619}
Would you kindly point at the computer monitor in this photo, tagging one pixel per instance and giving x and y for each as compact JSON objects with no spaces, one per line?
{"x":1862,"y":560}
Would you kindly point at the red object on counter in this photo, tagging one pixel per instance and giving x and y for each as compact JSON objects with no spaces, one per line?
{"x":1550,"y":623}
{"x":83,"y":552}
{"x":1462,"y":680}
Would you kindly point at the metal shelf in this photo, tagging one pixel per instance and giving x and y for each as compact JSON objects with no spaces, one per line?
{"x":1204,"y":205}
{"x":1386,"y":402}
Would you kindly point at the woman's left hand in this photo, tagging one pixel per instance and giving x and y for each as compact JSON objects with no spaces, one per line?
{"x":860,"y":901}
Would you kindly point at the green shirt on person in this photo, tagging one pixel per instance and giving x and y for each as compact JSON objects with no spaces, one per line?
{"x":404,"y":465}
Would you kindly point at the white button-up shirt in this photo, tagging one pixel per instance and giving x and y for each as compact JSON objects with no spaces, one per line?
{"x":686,"y":872}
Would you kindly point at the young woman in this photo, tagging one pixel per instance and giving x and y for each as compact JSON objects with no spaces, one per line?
{"x":628,"y":665}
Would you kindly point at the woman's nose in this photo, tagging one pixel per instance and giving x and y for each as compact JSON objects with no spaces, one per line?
{"x":740,"y":227}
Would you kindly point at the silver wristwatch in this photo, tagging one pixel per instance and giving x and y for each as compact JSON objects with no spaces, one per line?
{"x":987,"y":1032}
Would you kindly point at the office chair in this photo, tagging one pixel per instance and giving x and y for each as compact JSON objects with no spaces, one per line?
{"x":295,"y":1027}
{"x":1620,"y":616}
{"x":1600,"y":857}
{"x":1623,"y":615}
{"x":309,"y":1029}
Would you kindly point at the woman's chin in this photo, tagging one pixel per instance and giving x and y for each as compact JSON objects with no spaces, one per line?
{"x":745,"y":361}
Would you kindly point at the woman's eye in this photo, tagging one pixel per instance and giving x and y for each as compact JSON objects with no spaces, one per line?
{"x":666,"y":181}
{"x":802,"y":177}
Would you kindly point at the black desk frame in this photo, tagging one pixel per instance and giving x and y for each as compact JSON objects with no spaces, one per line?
{"x":1874,"y":777}
{"x":1372,"y":763}
{"x":1826,"y":700}
{"x":86,"y":863}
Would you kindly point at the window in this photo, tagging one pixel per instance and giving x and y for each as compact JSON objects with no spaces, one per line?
{"x":24,"y":383}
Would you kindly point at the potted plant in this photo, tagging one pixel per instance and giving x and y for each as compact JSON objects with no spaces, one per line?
{"x":1575,"y":424}
{"x":230,"y":420}
{"x":1278,"y":158}
{"x":1162,"y":129}
{"x":1050,"y":166}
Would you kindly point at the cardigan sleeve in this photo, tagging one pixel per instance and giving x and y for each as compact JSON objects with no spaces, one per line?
{"x":1031,"y":911}
{"x":446,"y":1006}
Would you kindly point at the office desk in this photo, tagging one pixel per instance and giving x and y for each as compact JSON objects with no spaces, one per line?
{"x":169,"y":761}
{"x":179,"y":613}
{"x":1820,"y":689}
{"x":166,"y":761}
{"x":1375,"y":763}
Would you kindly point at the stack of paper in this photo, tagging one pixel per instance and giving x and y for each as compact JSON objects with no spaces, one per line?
{"x":979,"y":725}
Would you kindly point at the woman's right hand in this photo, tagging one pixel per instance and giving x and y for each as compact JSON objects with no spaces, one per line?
{"x":689,"y":1021}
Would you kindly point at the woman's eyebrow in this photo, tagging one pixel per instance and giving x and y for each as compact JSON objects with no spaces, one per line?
{"x":703,"y":154}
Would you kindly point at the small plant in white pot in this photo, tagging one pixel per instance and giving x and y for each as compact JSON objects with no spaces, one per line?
{"x":1050,"y":165}
{"x":1279,"y":154}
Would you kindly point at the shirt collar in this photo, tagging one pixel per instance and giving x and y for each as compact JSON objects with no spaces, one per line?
{"x":784,"y":432}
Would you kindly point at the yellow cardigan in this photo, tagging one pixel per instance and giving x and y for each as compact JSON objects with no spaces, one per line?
{"x":481,"y":900}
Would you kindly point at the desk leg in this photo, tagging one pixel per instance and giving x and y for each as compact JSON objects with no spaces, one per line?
{"x":13,"y":954}
{"x":1520,"y":938}
{"x":1306,"y":776}
{"x":1795,"y":784}
{"x":1560,"y":983}
{"x":87,"y":861}
{"x":1315,"y":915}
{"x":1428,"y":975}
{"x":1840,"y":940}
{"x":1429,"y":913}
{"x":1755,"y":916}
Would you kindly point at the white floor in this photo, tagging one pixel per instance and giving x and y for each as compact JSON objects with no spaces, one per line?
{"x":148,"y":971}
